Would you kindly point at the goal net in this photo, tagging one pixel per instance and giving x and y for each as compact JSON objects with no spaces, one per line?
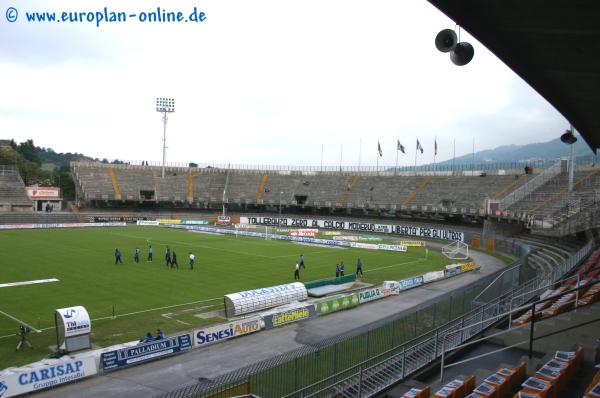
{"x":456,"y":251}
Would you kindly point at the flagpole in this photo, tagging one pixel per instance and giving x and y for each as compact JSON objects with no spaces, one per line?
{"x":378,"y":146}
{"x":434,"y":152}
{"x":473,"y":160}
{"x":341,"y":157}
{"x":397,"y":150}
{"x":454,"y":157}
{"x":321,"y":157}
{"x":359,"y":152}
{"x":417,"y":150}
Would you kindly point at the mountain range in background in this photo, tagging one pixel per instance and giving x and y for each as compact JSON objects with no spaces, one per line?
{"x":529,"y":153}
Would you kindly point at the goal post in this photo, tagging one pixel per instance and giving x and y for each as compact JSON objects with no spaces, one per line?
{"x":456,"y":250}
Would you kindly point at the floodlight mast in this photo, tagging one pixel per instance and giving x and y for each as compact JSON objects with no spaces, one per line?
{"x":165,"y":105}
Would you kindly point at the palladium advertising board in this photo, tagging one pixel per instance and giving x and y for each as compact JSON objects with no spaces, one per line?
{"x":226,"y":331}
{"x":340,"y":303}
{"x":146,"y":352}
{"x":285,"y":317}
{"x":38,"y":378}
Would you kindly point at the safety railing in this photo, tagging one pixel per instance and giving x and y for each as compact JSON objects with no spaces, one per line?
{"x":531,"y":186}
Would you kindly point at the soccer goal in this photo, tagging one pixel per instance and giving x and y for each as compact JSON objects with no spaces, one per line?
{"x":456,"y":250}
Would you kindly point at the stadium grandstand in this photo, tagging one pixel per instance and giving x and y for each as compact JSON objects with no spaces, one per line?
{"x":527,"y":330}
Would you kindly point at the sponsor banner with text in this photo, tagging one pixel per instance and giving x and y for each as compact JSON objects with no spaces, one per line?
{"x":370,"y":238}
{"x":294,"y":315}
{"x":340,"y":303}
{"x":364,"y":246}
{"x":409,"y":283}
{"x":392,"y":247}
{"x":304,"y":232}
{"x":411,"y":243}
{"x":452,"y":272}
{"x":332,"y":233}
{"x":146,"y":352}
{"x":346,"y":238}
{"x":34,"y":379}
{"x":430,"y":233}
{"x":245,"y":226}
{"x":223,"y":219}
{"x":147,"y":222}
{"x":43,"y":193}
{"x":69,"y":225}
{"x":176,"y":222}
{"x":467,"y":266}
{"x":194,"y":222}
{"x":226,"y":331}
{"x":433,"y":276}
{"x":373,"y":294}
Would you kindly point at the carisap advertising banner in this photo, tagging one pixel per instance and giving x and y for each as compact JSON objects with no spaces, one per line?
{"x":23,"y":381}
{"x":226,"y":331}
{"x":467,"y":266}
{"x":146,"y":352}
{"x":340,"y":303}
{"x":285,"y":317}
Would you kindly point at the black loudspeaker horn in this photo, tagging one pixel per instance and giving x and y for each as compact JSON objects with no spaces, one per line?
{"x":568,"y":138}
{"x":446,"y":40}
{"x":462,"y":54}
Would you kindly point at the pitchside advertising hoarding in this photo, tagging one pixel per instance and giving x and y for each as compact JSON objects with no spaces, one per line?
{"x":375,"y":293}
{"x":146,"y":352}
{"x":409,"y":283}
{"x":340,"y":303}
{"x":23,"y":380}
{"x":356,"y":226}
{"x":214,"y":334}
{"x":289,"y":316}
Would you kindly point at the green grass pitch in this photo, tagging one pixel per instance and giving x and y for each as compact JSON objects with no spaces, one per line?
{"x":148,"y":295}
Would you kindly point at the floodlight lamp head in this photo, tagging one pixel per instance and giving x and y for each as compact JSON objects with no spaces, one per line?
{"x":165,"y":105}
{"x":568,"y":138}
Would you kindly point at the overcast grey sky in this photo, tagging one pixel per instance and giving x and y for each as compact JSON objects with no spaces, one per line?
{"x":259,"y":82}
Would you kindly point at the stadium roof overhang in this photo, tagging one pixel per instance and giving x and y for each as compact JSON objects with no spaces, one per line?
{"x":553,"y":45}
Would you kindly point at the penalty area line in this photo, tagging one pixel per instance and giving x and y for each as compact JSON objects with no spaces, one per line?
{"x":21,"y":322}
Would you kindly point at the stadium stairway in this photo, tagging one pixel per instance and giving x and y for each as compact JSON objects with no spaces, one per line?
{"x":190,"y":195}
{"x":115,"y":185}
{"x":261,"y":189}
{"x":416,"y":191}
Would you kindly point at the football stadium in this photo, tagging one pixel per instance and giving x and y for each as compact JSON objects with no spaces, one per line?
{"x":172,"y":279}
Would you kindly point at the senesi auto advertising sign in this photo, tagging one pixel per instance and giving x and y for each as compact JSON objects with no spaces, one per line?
{"x":23,"y":380}
{"x":226,"y":331}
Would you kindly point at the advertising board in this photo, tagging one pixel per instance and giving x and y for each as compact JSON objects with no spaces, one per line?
{"x":340,"y":303}
{"x":34,"y":379}
{"x":409,"y":283}
{"x":214,"y":334}
{"x":293,"y":315}
{"x":145,"y":352}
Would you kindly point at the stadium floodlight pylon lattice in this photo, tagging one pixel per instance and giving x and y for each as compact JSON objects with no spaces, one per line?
{"x":456,"y":250}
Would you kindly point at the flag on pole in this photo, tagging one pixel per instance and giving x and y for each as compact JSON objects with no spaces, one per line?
{"x":419,"y":147}
{"x":435,"y":147}
{"x":400,"y":147}
{"x":379,"y":149}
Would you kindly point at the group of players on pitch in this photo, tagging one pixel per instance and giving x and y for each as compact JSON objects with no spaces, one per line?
{"x":170,"y":258}
{"x":339,"y":269}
